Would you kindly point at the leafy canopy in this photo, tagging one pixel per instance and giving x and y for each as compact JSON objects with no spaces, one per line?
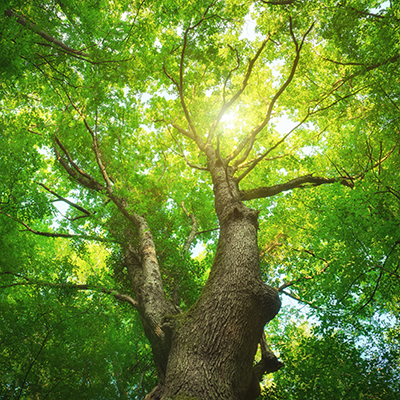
{"x":122,"y":87}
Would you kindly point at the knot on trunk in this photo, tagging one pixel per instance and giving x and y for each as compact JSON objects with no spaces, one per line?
{"x":270,"y":302}
{"x":241,"y":212}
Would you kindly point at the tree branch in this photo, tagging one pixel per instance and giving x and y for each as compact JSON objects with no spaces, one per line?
{"x":41,"y":348}
{"x":193,"y":231}
{"x":297,"y":298}
{"x":373,"y":166}
{"x":206,"y":231}
{"x":305,"y":277}
{"x":264,"y":155}
{"x":250,"y":138}
{"x":300,"y":182}
{"x":335,"y":88}
{"x":230,"y":73}
{"x":66,"y":78}
{"x":150,"y":290}
{"x":279,"y":2}
{"x":69,"y":202}
{"x":59,"y":235}
{"x":95,"y":148}
{"x":380,"y":275}
{"x":367,"y":14}
{"x":181,"y":70}
{"x":75,"y":172}
{"x":73,"y":164}
{"x":134,"y":21}
{"x":269,"y":362}
{"x":147,"y":246}
{"x":123,"y":297}
{"x":260,"y":157}
{"x":29,"y":281}
{"x":184,"y":132}
{"x":225,"y":105}
{"x":32,"y":27}
{"x":365,"y":68}
{"x":182,"y":154}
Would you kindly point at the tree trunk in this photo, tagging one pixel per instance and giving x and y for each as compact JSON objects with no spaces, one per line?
{"x":214,"y":343}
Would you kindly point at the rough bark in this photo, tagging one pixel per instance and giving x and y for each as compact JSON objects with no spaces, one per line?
{"x":214,"y":343}
{"x":152,"y":304}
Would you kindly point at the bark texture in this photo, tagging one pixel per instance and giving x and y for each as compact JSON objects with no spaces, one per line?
{"x":152,"y":303}
{"x":214,"y":343}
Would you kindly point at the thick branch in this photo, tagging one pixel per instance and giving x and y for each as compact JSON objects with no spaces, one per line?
{"x":152,"y":287}
{"x":147,"y":282}
{"x":75,"y":172}
{"x":32,"y":27}
{"x":300,"y":182}
{"x":124,"y":297}
{"x":72,"y":163}
{"x":268,"y":363}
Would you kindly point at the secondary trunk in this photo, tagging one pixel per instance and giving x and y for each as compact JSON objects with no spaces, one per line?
{"x":214,"y":343}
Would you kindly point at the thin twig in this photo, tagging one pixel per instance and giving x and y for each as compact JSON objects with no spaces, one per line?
{"x":193,"y":231}
{"x":29,"y":281}
{"x":59,"y":235}
{"x":249,"y":141}
{"x":69,"y":202}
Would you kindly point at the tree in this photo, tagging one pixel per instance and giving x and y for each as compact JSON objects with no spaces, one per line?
{"x":128,"y":125}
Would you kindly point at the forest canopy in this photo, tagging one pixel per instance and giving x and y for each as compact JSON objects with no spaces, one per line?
{"x":200,"y":199}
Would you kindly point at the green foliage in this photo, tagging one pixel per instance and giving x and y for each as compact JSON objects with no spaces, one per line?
{"x":332,"y":364}
{"x":57,"y":342}
{"x":123,"y":71}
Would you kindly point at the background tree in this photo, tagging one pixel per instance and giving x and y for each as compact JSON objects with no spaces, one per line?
{"x":157,"y":126}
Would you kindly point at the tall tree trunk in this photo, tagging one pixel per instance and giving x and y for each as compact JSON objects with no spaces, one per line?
{"x":214,"y":343}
